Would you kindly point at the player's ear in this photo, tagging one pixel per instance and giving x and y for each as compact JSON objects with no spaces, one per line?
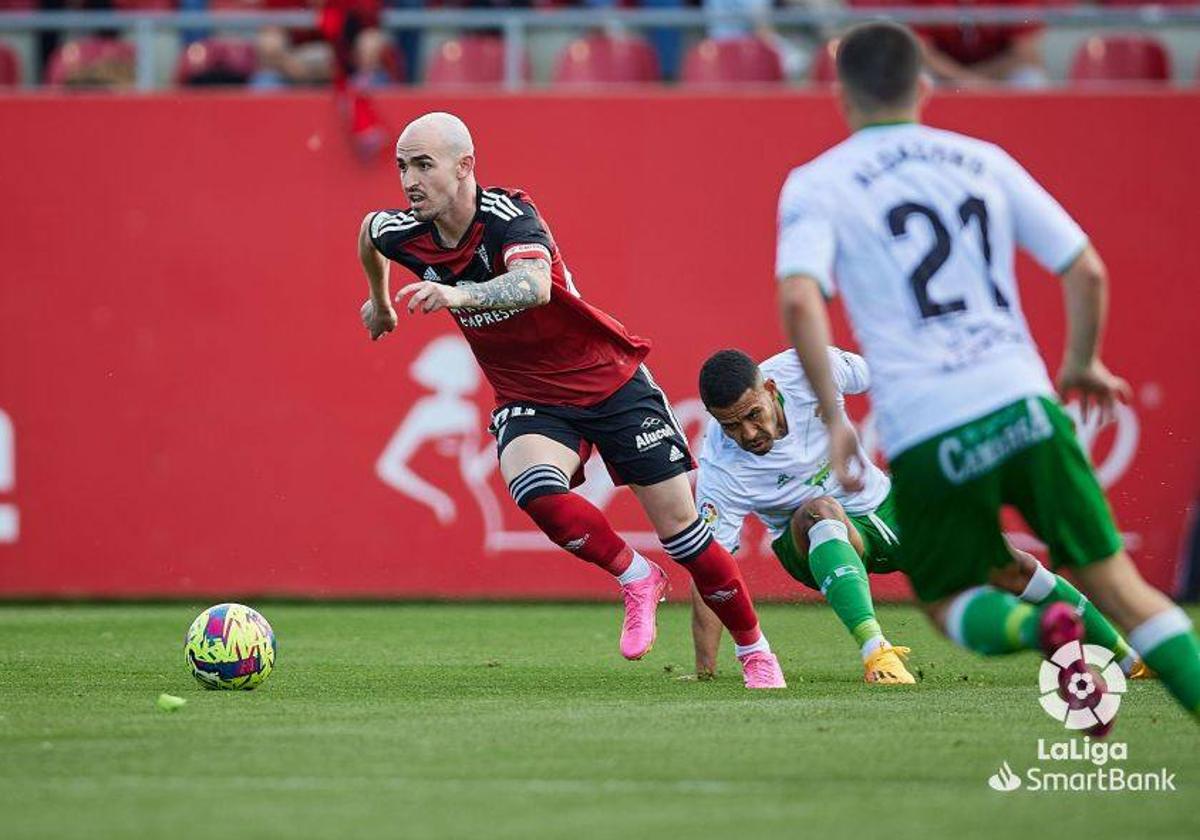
{"x":466,"y":165}
{"x":924,"y":89}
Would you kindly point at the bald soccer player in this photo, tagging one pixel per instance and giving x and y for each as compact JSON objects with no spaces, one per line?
{"x":566,"y":376}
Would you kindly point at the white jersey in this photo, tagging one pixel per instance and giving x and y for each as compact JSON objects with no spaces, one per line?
{"x":918,"y":229}
{"x":734,"y":483}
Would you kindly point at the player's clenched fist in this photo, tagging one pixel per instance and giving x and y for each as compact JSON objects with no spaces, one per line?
{"x":430,"y":297}
{"x":379,"y":319}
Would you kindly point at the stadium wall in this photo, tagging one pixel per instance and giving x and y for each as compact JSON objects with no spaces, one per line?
{"x":190,"y":406}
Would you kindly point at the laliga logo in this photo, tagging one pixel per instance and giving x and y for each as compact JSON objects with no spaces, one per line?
{"x":1071,"y":695}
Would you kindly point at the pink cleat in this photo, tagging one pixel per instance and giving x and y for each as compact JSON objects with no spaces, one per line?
{"x":1060,"y":625}
{"x":760,"y":669}
{"x":641,"y":606}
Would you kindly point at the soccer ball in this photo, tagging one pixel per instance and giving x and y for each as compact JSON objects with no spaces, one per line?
{"x":230,"y":646}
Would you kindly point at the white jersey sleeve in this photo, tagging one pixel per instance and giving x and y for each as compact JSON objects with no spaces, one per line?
{"x":1040,"y":224}
{"x":723,"y":509}
{"x":850,"y":372}
{"x":806,"y":243}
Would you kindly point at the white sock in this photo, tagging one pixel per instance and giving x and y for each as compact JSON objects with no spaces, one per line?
{"x":639,"y":569}
{"x":1128,"y":662}
{"x":1040,"y":585}
{"x":761,"y":646}
{"x":871,"y":645}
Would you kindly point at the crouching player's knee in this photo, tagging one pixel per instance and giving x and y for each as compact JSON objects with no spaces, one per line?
{"x":820,"y":520}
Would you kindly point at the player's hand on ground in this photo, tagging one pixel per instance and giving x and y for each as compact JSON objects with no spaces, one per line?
{"x":844,"y":456}
{"x":430,"y":297}
{"x":1096,"y":386}
{"x":379,"y":319}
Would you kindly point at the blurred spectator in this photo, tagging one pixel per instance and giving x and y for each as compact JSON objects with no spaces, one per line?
{"x":371,"y":49}
{"x":970,"y":54}
{"x":667,"y":40}
{"x":408,"y":40}
{"x":752,"y":20}
{"x":275,"y":69}
{"x":49,"y":39}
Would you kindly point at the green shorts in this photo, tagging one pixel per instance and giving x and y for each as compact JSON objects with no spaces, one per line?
{"x":881,"y":546}
{"x":949,"y":491}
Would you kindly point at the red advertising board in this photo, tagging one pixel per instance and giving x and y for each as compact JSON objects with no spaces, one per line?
{"x":190,"y":405}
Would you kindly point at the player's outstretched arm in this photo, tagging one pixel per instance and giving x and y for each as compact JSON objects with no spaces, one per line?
{"x":1085,"y":291}
{"x":706,"y":636}
{"x":806,"y":321}
{"x":377,"y":314}
{"x":525,"y":284}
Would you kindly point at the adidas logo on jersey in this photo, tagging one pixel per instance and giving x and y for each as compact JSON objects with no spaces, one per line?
{"x":676,"y":454}
{"x":649,"y":440}
{"x":500,"y":205}
{"x":385,"y":222}
{"x":483,"y":255}
{"x":430,"y":275}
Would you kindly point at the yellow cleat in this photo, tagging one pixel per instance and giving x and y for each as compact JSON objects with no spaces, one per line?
{"x":1142,"y":671}
{"x":886,"y":667}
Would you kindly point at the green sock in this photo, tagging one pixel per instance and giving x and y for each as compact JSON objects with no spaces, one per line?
{"x":839,"y":571}
{"x":1097,"y":629}
{"x":989,"y":621}
{"x":1168,"y":644}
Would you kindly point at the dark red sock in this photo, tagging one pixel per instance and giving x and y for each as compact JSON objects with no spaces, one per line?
{"x":577,"y":525}
{"x":718,"y":579}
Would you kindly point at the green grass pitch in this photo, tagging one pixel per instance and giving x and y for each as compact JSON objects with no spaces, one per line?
{"x":522,"y":721}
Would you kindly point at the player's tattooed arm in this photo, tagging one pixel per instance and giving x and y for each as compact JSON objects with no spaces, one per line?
{"x":526,"y":283}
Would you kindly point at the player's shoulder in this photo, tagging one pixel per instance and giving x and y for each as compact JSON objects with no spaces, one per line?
{"x":785,"y":368}
{"x":505,"y":204}
{"x":807,"y":181}
{"x":392,"y":221}
{"x":393,"y":228}
{"x":989,"y":152}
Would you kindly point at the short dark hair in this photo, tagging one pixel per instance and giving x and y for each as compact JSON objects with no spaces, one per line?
{"x":725,"y":376}
{"x":878,"y":64}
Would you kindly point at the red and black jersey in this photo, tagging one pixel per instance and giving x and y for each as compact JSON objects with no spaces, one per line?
{"x":565,"y":352}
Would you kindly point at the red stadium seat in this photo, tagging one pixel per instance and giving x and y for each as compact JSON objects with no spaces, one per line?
{"x":216,"y":61}
{"x":471,"y":60}
{"x":823,"y":69}
{"x":10,"y":67}
{"x":599,"y":59}
{"x":144,"y":5}
{"x":1121,"y":58}
{"x":735,"y":60}
{"x":91,"y":61}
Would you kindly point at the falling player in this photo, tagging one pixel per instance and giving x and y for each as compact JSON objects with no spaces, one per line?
{"x":566,"y":377}
{"x":766,"y":453}
{"x":919,"y":227}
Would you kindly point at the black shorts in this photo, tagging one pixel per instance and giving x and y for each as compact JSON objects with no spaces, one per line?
{"x":634,"y":430}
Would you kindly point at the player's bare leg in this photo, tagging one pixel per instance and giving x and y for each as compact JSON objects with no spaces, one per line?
{"x":537,"y":470}
{"x":1033,"y":583}
{"x":1160,"y":631}
{"x":689,"y":541}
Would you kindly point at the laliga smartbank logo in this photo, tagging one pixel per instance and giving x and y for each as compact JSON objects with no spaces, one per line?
{"x":1081,"y":698}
